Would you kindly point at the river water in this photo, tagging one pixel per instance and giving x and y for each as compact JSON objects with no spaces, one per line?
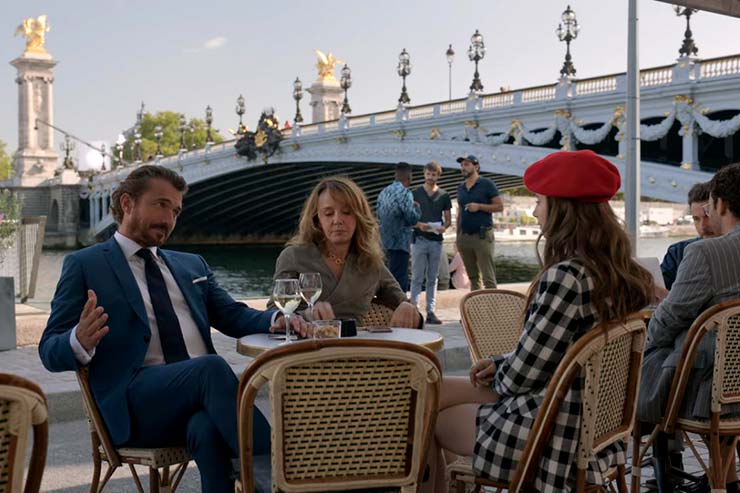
{"x":246,"y":270}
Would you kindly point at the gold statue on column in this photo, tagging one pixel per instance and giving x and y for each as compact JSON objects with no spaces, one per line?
{"x":34,"y":30}
{"x":325,"y":66}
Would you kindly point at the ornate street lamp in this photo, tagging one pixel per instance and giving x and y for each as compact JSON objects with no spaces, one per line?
{"x":450,"y":57}
{"x":240,"y":110}
{"x":476,"y":52}
{"x":209,"y":121}
{"x":191,"y":131}
{"x":67,"y":147}
{"x":158,"y":133}
{"x":404,"y":70}
{"x":568,"y":31}
{"x":688,"y":47}
{"x":183,"y":129}
{"x":119,"y":150}
{"x":137,"y":144}
{"x":297,"y":95}
{"x":346,"y":82}
{"x":140,"y":114}
{"x":103,"y":153}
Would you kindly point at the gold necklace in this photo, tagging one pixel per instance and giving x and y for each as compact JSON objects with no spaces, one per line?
{"x":335,"y":259}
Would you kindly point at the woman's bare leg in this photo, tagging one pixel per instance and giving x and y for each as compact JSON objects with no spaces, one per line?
{"x":455,"y":430}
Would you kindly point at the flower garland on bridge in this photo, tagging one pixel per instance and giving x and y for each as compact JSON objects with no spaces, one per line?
{"x":690,"y":115}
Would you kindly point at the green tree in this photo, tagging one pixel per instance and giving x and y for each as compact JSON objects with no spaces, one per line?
{"x":170,"y":122}
{"x":6,"y":163}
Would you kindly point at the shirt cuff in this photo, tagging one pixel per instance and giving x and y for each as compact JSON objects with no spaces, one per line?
{"x":274,"y":318}
{"x":81,"y":354}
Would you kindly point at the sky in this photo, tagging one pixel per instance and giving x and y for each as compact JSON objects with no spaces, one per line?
{"x":183,"y":55}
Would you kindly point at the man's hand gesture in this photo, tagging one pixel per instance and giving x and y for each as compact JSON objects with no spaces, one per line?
{"x":92,"y":326}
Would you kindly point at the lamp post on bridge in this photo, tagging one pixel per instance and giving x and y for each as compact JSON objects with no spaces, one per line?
{"x":345,"y":83}
{"x":568,"y":34}
{"x":209,"y":121}
{"x":191,"y":130}
{"x":183,"y":129}
{"x":137,"y":144}
{"x":450,"y":57}
{"x":404,"y":70}
{"x":297,"y":95}
{"x":158,"y":133}
{"x":688,"y":47}
{"x":67,"y":147}
{"x":476,"y":52}
{"x":240,"y":110}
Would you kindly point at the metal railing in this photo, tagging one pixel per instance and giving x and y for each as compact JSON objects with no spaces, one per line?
{"x":21,"y":260}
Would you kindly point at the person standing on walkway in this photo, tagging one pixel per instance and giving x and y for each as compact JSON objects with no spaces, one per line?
{"x":436,"y":217}
{"x":477,"y":199}
{"x":397,"y":213}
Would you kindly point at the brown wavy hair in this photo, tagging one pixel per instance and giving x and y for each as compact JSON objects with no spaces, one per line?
{"x":366,"y":239}
{"x":592,"y":235}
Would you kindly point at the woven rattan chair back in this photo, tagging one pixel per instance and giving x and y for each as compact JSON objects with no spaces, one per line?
{"x":726,"y":376}
{"x":158,"y":460}
{"x":22,"y":409}
{"x":378,"y":314}
{"x":346,"y":414}
{"x":609,"y":359}
{"x":492,"y":321}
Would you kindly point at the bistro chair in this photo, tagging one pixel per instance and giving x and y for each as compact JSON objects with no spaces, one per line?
{"x":609,"y":360}
{"x":158,"y":460}
{"x":492,"y":321}
{"x":723,"y":320}
{"x":346,"y":414}
{"x":378,"y":314}
{"x":22,"y":408}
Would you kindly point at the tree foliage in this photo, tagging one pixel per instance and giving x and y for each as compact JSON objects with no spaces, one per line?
{"x":170,"y":122}
{"x":6,"y":163}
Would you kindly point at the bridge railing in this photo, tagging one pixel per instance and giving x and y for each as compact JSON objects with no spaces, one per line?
{"x":693,"y":70}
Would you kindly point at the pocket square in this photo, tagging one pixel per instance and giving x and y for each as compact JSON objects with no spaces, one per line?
{"x":200,"y":279}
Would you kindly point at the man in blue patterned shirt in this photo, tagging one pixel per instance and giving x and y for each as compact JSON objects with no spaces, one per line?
{"x":397,"y":214}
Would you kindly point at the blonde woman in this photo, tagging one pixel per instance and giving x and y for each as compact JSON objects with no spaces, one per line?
{"x":338,"y":238}
{"x":587,"y":277}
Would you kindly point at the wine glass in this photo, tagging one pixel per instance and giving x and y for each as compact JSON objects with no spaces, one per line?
{"x":287,"y":297}
{"x":310,"y":284}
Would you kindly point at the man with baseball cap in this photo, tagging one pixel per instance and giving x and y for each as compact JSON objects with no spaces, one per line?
{"x":477,"y":199}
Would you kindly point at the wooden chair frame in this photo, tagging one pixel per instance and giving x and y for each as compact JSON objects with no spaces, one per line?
{"x":716,"y":429}
{"x":27,"y":403}
{"x":583,"y":358}
{"x":506,"y":341}
{"x":104,"y":450}
{"x":274,"y":366}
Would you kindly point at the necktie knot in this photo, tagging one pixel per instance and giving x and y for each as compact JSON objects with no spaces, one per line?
{"x":146,"y":254}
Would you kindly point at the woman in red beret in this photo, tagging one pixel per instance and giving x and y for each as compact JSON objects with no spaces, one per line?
{"x":587,"y":276}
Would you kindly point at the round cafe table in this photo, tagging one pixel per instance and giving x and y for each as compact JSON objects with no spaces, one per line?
{"x":256,"y":344}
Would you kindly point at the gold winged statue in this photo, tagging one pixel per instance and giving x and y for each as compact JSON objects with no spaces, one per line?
{"x":34,"y":31}
{"x":325,"y":65}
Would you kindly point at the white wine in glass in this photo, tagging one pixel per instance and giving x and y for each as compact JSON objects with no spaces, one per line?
{"x":287,"y":297}
{"x":310,"y":284}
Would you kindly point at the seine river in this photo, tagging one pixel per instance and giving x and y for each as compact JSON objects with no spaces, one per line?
{"x":246,"y":270}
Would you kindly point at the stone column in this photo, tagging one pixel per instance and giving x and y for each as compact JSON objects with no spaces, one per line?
{"x":690,"y":148}
{"x":36,"y":159}
{"x":326,"y":99}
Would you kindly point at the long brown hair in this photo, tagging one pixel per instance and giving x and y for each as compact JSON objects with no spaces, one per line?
{"x":366,"y":239}
{"x":592,"y":235}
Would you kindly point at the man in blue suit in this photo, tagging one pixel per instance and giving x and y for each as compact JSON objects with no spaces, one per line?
{"x":139,"y":318}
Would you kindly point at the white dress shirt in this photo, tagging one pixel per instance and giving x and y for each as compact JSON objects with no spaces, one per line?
{"x":154,"y":355}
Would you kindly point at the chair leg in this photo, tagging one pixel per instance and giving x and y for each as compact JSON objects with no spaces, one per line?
{"x":177,"y":475}
{"x":136,"y":478}
{"x":580,"y":480}
{"x":95,"y":482}
{"x":154,"y":480}
{"x":716,"y":466}
{"x":108,"y":474}
{"x":621,"y":479}
{"x":636,"y":466}
{"x":660,"y":463}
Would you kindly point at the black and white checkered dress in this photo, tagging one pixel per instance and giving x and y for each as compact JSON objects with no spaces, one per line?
{"x":560,"y":313}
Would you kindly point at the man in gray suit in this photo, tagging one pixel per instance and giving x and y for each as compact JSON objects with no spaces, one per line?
{"x":708,"y":274}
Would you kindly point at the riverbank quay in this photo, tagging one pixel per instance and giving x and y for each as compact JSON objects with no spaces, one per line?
{"x":62,"y":391}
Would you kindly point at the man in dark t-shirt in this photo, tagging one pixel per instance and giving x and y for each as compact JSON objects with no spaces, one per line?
{"x":436,"y":217}
{"x":477,"y":199}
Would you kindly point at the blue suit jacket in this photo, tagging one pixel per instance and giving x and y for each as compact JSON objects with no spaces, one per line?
{"x":104,"y":269}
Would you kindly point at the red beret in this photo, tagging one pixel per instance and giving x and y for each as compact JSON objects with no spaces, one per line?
{"x":581,"y":175}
